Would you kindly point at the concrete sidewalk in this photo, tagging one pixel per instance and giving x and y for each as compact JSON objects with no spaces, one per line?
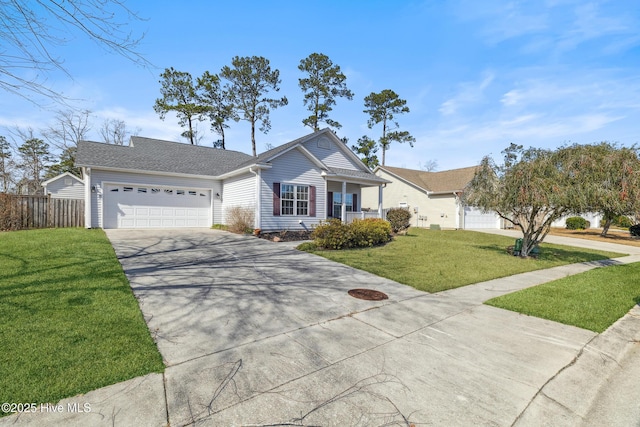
{"x":254,"y":333}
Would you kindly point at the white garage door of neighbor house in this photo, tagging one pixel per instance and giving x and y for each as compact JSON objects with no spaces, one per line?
{"x":145,"y":206}
{"x":475,"y":218}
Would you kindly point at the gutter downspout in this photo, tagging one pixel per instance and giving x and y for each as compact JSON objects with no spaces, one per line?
{"x":258,"y":196}
{"x":86,"y":174}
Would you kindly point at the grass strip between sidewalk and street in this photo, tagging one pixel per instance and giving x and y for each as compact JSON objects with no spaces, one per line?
{"x":437,"y":260}
{"x":592,"y":300}
{"x":69,"y":320}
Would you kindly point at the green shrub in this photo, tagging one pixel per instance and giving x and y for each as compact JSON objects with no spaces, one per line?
{"x":334,"y":234}
{"x":634,"y":230}
{"x":622,"y":221}
{"x":399,"y":218}
{"x":307,"y":247}
{"x":219,"y":227}
{"x":369,"y":232}
{"x":577,"y":223}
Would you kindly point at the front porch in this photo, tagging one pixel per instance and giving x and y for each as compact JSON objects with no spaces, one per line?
{"x":344,"y":197}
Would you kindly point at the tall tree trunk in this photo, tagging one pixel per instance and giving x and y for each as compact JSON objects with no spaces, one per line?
{"x":384,"y":139}
{"x":191,"y":132}
{"x":253,"y":138}
{"x":607,"y":224}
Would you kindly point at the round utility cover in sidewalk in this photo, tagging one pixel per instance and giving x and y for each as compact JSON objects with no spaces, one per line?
{"x":368,"y":294}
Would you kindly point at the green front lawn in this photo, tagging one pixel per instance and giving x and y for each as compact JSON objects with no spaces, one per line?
{"x":592,"y":300}
{"x":434,"y":261}
{"x":69,"y":322}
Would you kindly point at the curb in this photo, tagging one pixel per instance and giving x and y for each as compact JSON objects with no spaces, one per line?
{"x":569,"y":396}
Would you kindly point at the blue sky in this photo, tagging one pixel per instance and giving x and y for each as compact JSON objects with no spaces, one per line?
{"x":476,"y":75}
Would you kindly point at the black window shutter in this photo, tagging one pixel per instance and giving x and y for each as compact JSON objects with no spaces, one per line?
{"x":329,"y":204}
{"x":355,"y":203}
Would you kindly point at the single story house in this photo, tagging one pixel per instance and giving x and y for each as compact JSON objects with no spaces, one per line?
{"x":595,"y":218}
{"x":154,"y":184}
{"x":432,"y":197}
{"x":64,"y":186}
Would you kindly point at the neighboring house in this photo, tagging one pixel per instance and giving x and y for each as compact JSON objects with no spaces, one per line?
{"x":152,"y":183}
{"x":432,"y":197}
{"x":593,"y":217}
{"x":64,"y":186}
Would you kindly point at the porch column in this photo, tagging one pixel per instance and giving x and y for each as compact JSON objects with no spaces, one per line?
{"x":344,"y":202}
{"x":380,"y":201}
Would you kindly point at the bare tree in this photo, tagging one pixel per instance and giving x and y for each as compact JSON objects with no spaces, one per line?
{"x":429,"y":165}
{"x":114,"y":131}
{"x":31,"y":30}
{"x":69,"y":127}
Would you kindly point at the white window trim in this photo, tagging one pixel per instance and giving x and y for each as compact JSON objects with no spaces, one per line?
{"x":295,"y":198}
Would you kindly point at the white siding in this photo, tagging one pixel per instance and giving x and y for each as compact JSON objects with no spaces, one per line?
{"x":59,"y":189}
{"x":332,"y":156}
{"x":99,"y":178}
{"x":294,"y":168}
{"x":238,"y":191}
{"x":593,"y":217}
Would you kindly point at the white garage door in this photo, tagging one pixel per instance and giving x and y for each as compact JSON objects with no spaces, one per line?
{"x":475,"y":218}
{"x":143,"y":206}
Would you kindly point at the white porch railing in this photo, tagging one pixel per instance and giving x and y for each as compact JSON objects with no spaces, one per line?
{"x":362,"y":215}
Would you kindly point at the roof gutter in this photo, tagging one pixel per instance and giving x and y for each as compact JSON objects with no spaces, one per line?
{"x":241,"y":171}
{"x":355,"y":179}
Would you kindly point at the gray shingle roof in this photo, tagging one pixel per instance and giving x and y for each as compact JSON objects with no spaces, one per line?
{"x":155,"y":155}
{"x":357,"y":174}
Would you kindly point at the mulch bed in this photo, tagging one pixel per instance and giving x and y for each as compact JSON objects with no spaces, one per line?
{"x":287,"y":236}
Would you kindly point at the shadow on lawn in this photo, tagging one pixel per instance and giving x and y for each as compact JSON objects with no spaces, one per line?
{"x":550,"y":253}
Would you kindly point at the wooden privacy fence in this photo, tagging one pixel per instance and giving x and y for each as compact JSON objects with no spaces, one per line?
{"x":23,"y":212}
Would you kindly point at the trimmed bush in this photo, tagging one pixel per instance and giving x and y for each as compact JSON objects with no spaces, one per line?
{"x":577,"y":223}
{"x":369,"y":232}
{"x":634,"y":230}
{"x":399,"y":218}
{"x":334,"y":234}
{"x":240,"y":219}
{"x":307,"y":247}
{"x":622,"y":221}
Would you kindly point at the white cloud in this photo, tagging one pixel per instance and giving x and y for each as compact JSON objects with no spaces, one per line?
{"x":468,"y":95}
{"x":554,"y":27}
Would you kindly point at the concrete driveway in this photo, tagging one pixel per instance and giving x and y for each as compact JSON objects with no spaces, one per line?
{"x":255,"y":333}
